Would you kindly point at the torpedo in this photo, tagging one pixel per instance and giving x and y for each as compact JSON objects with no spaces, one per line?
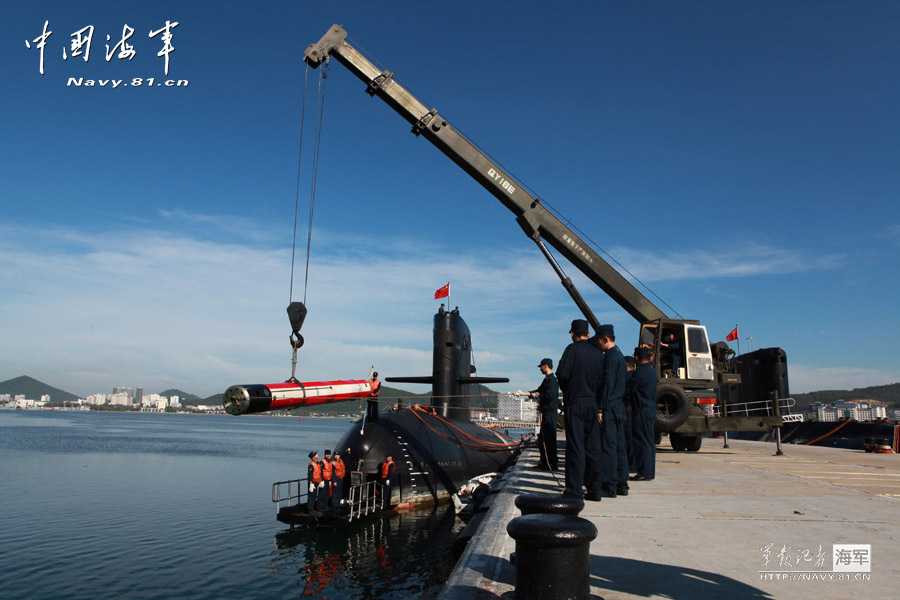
{"x":435,"y":447}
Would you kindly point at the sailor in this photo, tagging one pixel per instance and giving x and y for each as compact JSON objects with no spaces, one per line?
{"x":372,"y":403}
{"x":388,"y":468}
{"x":612,"y":415}
{"x":629,"y":413}
{"x":325,"y":493}
{"x":579,"y":374}
{"x":673,"y":354}
{"x":548,"y":405}
{"x":644,"y":394}
{"x":442,"y":310}
{"x":337,"y":479}
{"x":314,"y":477}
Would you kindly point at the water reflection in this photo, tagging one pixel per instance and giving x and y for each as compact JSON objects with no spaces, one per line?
{"x":392,"y":556}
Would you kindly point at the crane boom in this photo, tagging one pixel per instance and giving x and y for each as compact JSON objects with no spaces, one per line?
{"x":535,"y":220}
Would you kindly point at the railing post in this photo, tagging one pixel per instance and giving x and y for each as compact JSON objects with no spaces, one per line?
{"x":777,"y":408}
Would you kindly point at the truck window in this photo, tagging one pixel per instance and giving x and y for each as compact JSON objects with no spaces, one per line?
{"x":697,"y":343}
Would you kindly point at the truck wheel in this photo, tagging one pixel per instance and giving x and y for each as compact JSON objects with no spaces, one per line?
{"x":677,"y":441}
{"x":692,"y":443}
{"x":658,"y":436}
{"x":672,"y":407}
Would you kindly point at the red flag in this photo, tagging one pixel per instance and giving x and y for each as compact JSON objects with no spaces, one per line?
{"x":443,"y":292}
{"x":733,"y":335}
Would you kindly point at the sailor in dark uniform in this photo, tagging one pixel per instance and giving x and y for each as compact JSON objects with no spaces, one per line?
{"x":314,"y":477}
{"x":644,"y":394}
{"x":548,"y":405}
{"x":579,"y":377}
{"x":388,"y":468}
{"x":612,"y":415}
{"x":629,"y":413}
{"x":372,"y":402}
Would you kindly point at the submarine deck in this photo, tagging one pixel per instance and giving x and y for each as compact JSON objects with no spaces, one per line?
{"x":710,"y":521}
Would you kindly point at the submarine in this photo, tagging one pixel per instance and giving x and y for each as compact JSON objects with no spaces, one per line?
{"x":436,"y":448}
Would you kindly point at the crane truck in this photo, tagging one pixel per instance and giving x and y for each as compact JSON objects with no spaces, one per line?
{"x":694,"y":375}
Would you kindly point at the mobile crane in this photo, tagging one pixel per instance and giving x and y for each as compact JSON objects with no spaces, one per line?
{"x":709,"y":376}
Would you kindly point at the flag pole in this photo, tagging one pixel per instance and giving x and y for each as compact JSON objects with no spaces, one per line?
{"x":738,"y":340}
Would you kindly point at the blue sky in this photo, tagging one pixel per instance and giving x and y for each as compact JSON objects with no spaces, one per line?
{"x":741,"y":159}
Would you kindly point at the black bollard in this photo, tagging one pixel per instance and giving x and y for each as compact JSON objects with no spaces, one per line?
{"x":549,"y":504}
{"x":552,"y":556}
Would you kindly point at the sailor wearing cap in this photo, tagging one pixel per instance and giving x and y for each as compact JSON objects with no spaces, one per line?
{"x":612,"y":415}
{"x":629,"y":412}
{"x":644,"y":395}
{"x":548,"y":405}
{"x":314,"y":477}
{"x":579,"y":374}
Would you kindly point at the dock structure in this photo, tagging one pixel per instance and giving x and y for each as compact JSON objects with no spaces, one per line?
{"x":733,"y":523}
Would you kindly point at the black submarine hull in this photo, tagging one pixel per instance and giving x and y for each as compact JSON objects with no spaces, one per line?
{"x":433,"y":456}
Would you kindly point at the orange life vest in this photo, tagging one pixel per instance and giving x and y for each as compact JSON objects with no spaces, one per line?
{"x":339,"y":469}
{"x":385,"y":469}
{"x":326,"y":470}
{"x":317,"y":471}
{"x":376,"y":388}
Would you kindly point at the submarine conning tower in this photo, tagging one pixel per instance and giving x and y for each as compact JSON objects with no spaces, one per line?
{"x":452,"y":360}
{"x":453,"y":381}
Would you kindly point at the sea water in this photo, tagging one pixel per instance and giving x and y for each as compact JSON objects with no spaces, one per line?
{"x":132,"y":505}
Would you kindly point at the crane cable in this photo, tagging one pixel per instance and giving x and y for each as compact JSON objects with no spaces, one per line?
{"x":317,"y":140}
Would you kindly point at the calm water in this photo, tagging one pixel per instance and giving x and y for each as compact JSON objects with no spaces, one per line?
{"x":141,"y":506}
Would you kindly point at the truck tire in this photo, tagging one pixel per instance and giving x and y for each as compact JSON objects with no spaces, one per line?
{"x":672,"y":407}
{"x":685,"y":443}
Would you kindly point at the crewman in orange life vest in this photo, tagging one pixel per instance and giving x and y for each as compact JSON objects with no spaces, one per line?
{"x":337,"y":480}
{"x":372,"y":403}
{"x":387,"y":474}
{"x":325,"y":490}
{"x":314,"y":476}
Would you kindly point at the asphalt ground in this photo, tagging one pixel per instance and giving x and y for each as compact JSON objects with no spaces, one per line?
{"x":735,"y":523}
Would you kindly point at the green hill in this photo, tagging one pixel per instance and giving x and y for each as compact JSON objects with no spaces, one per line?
{"x":184,"y":397}
{"x":889,"y":394}
{"x":33,"y":389}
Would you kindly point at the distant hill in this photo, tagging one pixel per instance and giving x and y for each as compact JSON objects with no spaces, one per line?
{"x":882,"y":393}
{"x":33,"y":389}
{"x":182,"y":396}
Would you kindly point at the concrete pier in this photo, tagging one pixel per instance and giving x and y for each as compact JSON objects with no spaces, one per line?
{"x":736,"y":523}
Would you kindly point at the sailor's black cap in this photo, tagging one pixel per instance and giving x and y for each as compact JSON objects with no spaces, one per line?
{"x":579,"y":325}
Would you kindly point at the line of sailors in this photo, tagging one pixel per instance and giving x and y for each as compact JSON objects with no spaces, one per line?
{"x":602,"y":399}
{"x":326,"y":481}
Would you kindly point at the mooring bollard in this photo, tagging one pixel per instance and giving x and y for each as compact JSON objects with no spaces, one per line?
{"x":552,"y":556}
{"x":549,"y":504}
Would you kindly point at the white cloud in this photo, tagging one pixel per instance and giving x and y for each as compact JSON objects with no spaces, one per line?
{"x":735,"y":261}
{"x":143,"y":307}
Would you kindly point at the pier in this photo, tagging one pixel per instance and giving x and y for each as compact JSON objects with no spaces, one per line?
{"x":732,"y":523}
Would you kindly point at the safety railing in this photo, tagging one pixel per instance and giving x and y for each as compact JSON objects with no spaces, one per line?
{"x":287,"y":491}
{"x":364,"y":499}
{"x":753,"y":408}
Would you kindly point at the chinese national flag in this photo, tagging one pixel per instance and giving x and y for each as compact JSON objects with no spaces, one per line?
{"x":443,"y":292}
{"x":732,"y":336}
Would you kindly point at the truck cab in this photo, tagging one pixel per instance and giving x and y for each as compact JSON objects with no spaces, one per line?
{"x":679,"y":350}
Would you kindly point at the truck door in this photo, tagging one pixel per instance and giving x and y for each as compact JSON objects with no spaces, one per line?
{"x":699,"y":355}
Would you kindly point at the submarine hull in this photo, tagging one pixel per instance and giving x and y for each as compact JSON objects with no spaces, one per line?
{"x":434,"y":456}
